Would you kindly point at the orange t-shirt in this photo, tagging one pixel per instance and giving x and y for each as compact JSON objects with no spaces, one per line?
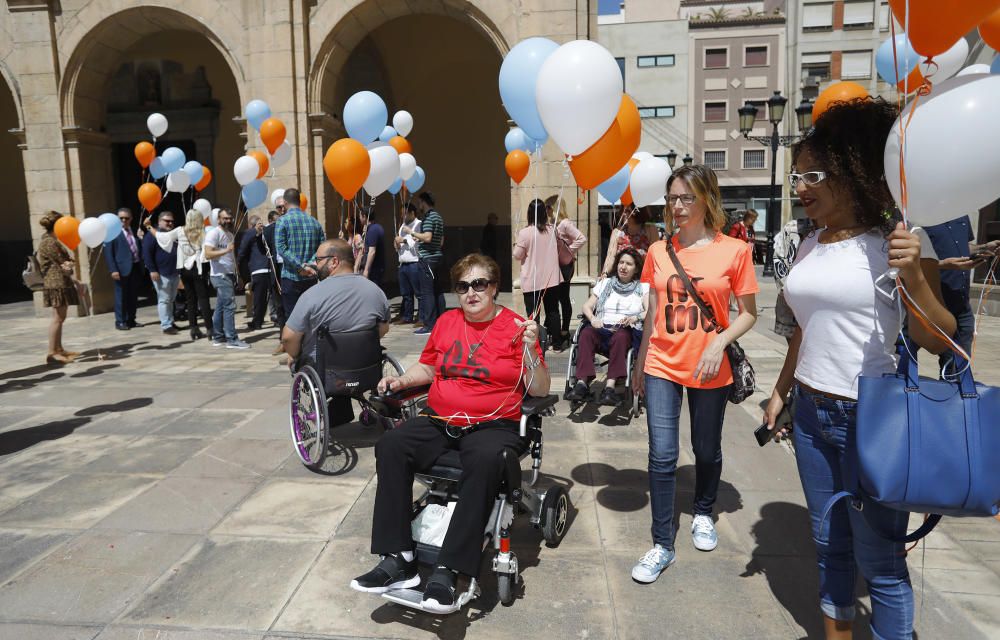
{"x":680,"y":333}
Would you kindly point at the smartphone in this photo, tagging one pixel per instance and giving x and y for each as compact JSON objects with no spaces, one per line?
{"x":763,"y":434}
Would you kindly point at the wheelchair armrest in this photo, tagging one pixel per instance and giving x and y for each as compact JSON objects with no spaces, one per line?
{"x":532,"y":406}
{"x":396,"y":399}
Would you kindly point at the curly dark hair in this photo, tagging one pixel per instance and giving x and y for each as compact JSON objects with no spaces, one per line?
{"x":627,"y":251}
{"x":848,"y":142}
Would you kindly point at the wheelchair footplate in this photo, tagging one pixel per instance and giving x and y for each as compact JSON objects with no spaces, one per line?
{"x":413,"y":599}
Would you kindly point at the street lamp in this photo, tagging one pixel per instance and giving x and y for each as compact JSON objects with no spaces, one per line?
{"x":672,"y":158}
{"x":688,"y":160}
{"x":775,"y":114}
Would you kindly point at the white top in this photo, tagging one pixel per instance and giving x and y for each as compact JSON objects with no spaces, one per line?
{"x":408,"y":249}
{"x":849,"y":328}
{"x":617,"y":306}
{"x":219,"y":238}
{"x":188,"y":255}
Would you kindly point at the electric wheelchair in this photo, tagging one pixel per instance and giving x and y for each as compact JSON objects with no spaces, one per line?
{"x":348,"y":364}
{"x":547,"y":509}
{"x":630,"y":400}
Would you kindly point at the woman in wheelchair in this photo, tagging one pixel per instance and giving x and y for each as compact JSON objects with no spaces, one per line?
{"x":480,"y":361}
{"x":614,"y":313}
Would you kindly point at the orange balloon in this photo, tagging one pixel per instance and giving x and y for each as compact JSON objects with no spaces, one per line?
{"x":207,"y":222}
{"x":837,"y":92}
{"x":144,"y":153}
{"x":517,"y":165}
{"x":206,"y":177}
{"x":935,"y":25}
{"x":400,"y":144}
{"x":347,"y":165}
{"x":612,"y":150}
{"x":303,"y":201}
{"x":912,"y":82}
{"x":150,"y":196}
{"x":272,"y":134}
{"x":627,"y":196}
{"x":989,"y":30}
{"x":66,"y":229}
{"x":262,"y":160}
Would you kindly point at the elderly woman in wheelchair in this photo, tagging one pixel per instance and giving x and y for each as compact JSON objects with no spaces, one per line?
{"x":484,"y":367}
{"x":612,"y":326}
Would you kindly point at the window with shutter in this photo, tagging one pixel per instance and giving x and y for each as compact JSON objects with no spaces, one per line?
{"x":859,"y":15}
{"x":883,"y":16}
{"x":715,"y":160}
{"x":753,"y":159}
{"x":715,"y":112}
{"x":856,"y":64}
{"x":716,"y":58}
{"x":817,"y":17}
{"x":755,"y":56}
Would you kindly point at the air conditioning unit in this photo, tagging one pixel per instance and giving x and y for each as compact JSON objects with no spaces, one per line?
{"x":811,"y":82}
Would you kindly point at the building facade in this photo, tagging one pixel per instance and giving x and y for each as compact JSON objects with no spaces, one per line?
{"x":79,"y":77}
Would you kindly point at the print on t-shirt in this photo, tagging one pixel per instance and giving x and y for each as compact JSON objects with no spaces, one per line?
{"x":680,"y":313}
{"x":456,"y":364}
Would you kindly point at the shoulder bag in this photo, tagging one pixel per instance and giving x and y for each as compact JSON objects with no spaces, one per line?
{"x":744,"y":377}
{"x":32,"y":274}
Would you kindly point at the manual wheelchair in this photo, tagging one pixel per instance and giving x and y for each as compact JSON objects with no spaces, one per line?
{"x":348,"y":365}
{"x":548,"y":510}
{"x":630,"y":400}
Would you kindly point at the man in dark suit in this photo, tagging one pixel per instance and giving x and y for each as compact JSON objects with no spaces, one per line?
{"x":274,"y":260}
{"x":124,"y":262}
{"x":162,"y":266}
{"x":253,"y":253}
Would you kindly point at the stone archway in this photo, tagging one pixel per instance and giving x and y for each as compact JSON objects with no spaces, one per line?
{"x":15,"y":230}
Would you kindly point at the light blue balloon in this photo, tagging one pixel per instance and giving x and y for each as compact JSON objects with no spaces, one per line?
{"x":396,"y":186}
{"x":416,"y":180}
{"x":112,"y":224}
{"x":906,"y":60}
{"x":254,"y":194}
{"x":516,"y":139}
{"x":194,"y":170}
{"x":387,"y":134}
{"x":257,"y":112}
{"x":518,"y":74}
{"x":995,"y":66}
{"x":535,"y":145}
{"x":173,"y":159}
{"x":156,"y":168}
{"x":365,"y":115}
{"x":614,"y":187}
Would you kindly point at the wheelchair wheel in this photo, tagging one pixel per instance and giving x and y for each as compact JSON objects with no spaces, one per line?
{"x":308,"y":417}
{"x":392,"y":367}
{"x":506,"y":588}
{"x":555,"y":515}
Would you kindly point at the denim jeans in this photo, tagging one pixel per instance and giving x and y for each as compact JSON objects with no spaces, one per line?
{"x":166,"y":291}
{"x":224,"y":319}
{"x":409,"y":283}
{"x":430,"y":292}
{"x":825,"y":451}
{"x":707,"y":409}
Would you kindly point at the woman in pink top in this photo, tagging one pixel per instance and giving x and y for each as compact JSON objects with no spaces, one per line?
{"x":569,"y":242}
{"x":537,"y":250}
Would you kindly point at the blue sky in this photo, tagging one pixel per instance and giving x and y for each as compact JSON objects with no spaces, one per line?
{"x":607,"y":6}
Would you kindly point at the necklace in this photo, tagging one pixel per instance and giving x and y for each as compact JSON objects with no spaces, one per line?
{"x":474,"y":347}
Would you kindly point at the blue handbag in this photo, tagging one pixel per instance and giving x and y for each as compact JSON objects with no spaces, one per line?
{"x":928,"y":446}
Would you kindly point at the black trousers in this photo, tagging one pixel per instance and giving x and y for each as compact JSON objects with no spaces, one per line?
{"x":196,"y":296}
{"x":291,"y":291}
{"x":415,"y":446}
{"x":260,"y":284}
{"x":565,"y":304}
{"x":550,"y":300}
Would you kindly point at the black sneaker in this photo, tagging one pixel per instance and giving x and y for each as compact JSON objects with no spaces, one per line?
{"x":579,"y":392}
{"x":609,"y":398}
{"x":391,"y":573}
{"x":439,"y":594}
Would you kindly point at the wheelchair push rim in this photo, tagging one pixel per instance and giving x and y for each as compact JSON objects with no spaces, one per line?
{"x":308,"y":418}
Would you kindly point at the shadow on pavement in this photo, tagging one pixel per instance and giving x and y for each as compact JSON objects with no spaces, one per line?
{"x":21,"y":385}
{"x":28,"y":371}
{"x":20,"y":439}
{"x":164,"y":347}
{"x":345,"y":440}
{"x":260,"y":336}
{"x":114,"y":352}
{"x":118,"y":407}
{"x":626,"y":490}
{"x":93,"y":371}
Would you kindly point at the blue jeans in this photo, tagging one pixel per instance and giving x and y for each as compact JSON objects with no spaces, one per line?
{"x":224,"y":318}
{"x":825,"y":451}
{"x":707,"y":409}
{"x":409,"y":283}
{"x":166,"y":291}
{"x":430,"y":291}
{"x":966,"y":327}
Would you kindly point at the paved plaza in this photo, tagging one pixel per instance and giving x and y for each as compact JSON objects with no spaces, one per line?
{"x":149,"y":491}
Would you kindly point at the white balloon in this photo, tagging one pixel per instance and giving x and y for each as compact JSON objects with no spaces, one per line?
{"x":178,"y":181}
{"x":384,"y":170}
{"x":974,"y":69}
{"x":946,"y":64}
{"x":402,"y":122}
{"x":213,"y":219}
{"x":951,"y":155}
{"x":277,"y":193}
{"x":578,"y":93}
{"x":157,"y":124}
{"x":649,"y":181}
{"x":407,"y":165}
{"x":245,"y":170}
{"x":643,"y":155}
{"x":92,"y":232}
{"x":281,"y":155}
{"x":204,"y":207}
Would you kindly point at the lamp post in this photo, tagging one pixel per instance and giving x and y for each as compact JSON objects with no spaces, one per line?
{"x":688,"y":160}
{"x":672,"y":158}
{"x":775,"y":114}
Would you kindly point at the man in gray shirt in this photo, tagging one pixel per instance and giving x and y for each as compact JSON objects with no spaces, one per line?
{"x":343,"y":301}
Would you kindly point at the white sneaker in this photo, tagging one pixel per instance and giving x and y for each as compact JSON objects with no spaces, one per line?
{"x":651,"y":565}
{"x":703,"y":533}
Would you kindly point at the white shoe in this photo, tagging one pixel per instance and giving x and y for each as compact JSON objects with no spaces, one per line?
{"x":703,"y":533}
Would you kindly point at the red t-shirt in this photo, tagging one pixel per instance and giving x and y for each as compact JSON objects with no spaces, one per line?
{"x":477,"y":368}
{"x":680,"y":334}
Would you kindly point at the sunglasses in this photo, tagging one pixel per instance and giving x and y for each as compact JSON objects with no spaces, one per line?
{"x":478,"y":285}
{"x":810,"y":178}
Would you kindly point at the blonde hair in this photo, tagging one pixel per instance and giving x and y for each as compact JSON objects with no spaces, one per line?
{"x":557,"y":203}
{"x":705,"y":184}
{"x":194,"y":227}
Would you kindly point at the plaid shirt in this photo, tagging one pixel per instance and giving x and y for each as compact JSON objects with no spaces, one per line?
{"x":297,"y":236}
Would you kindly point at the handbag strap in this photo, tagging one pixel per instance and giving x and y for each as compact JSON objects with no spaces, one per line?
{"x":857,"y":503}
{"x":705,"y":309}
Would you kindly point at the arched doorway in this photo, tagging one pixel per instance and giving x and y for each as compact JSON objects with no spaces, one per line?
{"x":443,"y":69}
{"x":15,"y":229}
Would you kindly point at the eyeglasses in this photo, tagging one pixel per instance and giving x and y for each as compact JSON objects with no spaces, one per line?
{"x":686,"y":199}
{"x":167,"y":221}
{"x":478,"y":285}
{"x":331,"y":256}
{"x":810,"y":178}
